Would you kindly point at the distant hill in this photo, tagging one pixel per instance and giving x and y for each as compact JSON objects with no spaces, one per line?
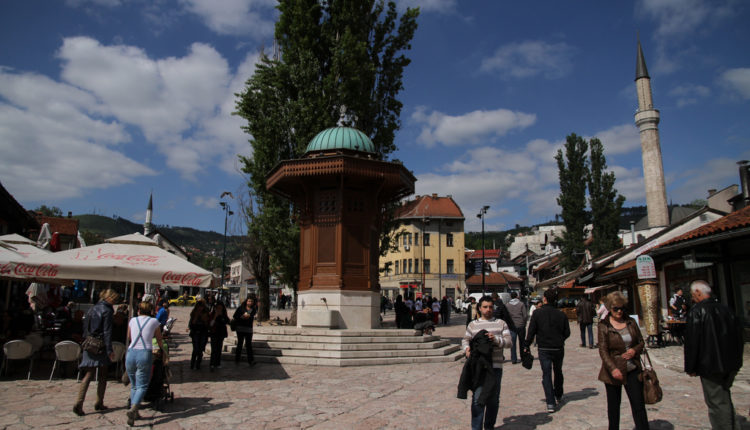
{"x":204,"y":247}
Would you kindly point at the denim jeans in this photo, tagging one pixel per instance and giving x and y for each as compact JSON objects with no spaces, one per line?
{"x":551,"y":360}
{"x":138,"y":366}
{"x":590,"y":328}
{"x":488,"y":412}
{"x":514,"y":335}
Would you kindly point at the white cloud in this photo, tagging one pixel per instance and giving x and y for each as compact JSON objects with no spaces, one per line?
{"x":530,"y":58}
{"x":738,"y":81}
{"x":182,"y":105}
{"x":235,"y":17}
{"x":76,"y":131}
{"x":678,"y":18}
{"x":715,"y":173}
{"x":470,"y":128}
{"x":55,"y":144}
{"x":206,"y":202}
{"x":620,"y":139}
{"x":439,"y":6}
{"x":689,"y":94}
{"x":524,"y":177}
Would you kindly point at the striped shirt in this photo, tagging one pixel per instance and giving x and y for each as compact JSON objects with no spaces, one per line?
{"x":498,"y":328}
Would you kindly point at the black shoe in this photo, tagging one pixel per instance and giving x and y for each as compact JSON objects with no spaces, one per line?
{"x":78,"y":410}
{"x":100,"y":407}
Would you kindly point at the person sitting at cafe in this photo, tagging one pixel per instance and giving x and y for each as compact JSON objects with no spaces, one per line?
{"x":423,"y":321}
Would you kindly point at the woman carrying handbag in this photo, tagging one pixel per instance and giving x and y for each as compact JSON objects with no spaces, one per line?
{"x":620,"y":347}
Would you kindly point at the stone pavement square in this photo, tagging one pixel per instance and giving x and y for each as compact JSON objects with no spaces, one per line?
{"x":272,"y":396}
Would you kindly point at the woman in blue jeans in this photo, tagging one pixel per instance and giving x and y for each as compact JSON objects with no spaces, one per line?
{"x":141,"y":332}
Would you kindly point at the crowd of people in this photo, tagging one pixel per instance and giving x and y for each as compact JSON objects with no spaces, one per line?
{"x":713,"y":351}
{"x":422,"y":313}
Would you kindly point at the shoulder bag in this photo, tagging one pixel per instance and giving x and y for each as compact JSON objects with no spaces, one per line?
{"x":93,"y":344}
{"x":652,"y":393}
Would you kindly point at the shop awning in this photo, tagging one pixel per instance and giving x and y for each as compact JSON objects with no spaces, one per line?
{"x":597,"y":288}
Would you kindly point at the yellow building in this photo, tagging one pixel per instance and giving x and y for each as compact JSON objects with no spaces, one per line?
{"x":430,"y":255}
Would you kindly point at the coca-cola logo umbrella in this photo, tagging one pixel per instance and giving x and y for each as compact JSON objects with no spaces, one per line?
{"x":130,"y":258}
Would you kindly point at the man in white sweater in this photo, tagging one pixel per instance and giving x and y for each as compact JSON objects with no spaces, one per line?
{"x":499,"y":334}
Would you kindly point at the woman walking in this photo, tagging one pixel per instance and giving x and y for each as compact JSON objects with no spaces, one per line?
{"x":243,"y":319}
{"x":98,"y":324}
{"x":218,"y":324}
{"x":620,"y":347}
{"x":141,"y":332}
{"x":198,"y":327}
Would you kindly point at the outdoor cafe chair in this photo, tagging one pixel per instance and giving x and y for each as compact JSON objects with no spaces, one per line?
{"x":18,"y":350}
{"x":66,"y":350}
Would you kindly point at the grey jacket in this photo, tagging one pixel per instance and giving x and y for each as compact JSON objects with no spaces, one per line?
{"x":518,"y":312}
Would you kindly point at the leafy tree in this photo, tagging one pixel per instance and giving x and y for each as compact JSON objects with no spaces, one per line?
{"x":573,"y":170}
{"x":605,"y":202}
{"x":341,"y":62}
{"x":49,"y":211}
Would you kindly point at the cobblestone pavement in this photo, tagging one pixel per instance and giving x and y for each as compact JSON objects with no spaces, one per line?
{"x":271,"y":396}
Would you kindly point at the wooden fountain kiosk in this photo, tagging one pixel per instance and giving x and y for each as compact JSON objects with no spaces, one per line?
{"x":340,"y":189}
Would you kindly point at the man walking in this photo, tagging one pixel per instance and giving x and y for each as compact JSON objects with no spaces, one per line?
{"x":519,"y":315}
{"x":713,"y":351}
{"x":585,"y":312}
{"x":550,"y":326}
{"x":499,"y":335}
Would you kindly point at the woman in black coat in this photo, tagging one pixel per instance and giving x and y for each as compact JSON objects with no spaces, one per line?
{"x":198,"y":327}
{"x":243,"y":320}
{"x":98,"y":323}
{"x":218,"y":324}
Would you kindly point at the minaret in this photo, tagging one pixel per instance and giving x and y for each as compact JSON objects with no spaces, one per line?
{"x":149,"y":210}
{"x":647,"y":120}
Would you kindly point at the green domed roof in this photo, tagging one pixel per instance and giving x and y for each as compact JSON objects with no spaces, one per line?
{"x":341,"y":138}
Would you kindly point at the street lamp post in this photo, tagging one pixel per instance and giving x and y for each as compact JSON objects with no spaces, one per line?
{"x":227,"y":212}
{"x":481,"y":214}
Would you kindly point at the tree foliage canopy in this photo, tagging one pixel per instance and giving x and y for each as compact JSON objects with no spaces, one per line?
{"x":605,"y":203}
{"x":573,"y":170}
{"x":341,"y":62}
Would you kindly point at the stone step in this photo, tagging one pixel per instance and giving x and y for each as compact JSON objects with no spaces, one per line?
{"x":337,"y":340}
{"x":349,"y":346}
{"x":333,"y":332}
{"x":444,"y":350}
{"x":346,"y":362}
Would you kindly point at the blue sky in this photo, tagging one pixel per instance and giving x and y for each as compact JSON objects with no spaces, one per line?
{"x":103,"y":101}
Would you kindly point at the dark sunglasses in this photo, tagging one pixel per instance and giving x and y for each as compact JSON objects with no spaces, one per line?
{"x":618,"y":309}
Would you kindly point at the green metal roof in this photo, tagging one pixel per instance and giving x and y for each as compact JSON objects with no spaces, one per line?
{"x":341,"y":138}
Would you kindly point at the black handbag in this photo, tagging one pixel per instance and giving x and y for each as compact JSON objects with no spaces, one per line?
{"x":527,"y":360}
{"x":233,"y":324}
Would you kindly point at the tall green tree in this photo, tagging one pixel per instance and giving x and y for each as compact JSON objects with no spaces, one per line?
{"x":340,"y":62}
{"x":605,"y":202}
{"x":573,"y":169}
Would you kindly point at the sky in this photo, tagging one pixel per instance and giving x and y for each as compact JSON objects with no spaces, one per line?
{"x":103,"y":102}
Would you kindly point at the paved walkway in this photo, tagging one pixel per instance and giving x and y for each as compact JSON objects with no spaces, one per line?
{"x":270,"y":396}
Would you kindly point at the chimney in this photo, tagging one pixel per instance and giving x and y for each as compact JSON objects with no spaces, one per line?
{"x":70,"y":214}
{"x":711,"y":192}
{"x":434,"y":195}
{"x":745,"y":187}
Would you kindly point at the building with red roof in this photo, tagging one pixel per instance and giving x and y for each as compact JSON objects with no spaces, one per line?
{"x":429,"y":256}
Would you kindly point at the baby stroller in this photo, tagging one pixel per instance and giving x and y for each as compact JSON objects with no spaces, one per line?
{"x":158,"y":390}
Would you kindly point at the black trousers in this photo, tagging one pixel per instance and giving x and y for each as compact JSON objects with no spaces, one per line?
{"x":634,"y":390}
{"x":217,"y":344}
{"x":247,"y":340}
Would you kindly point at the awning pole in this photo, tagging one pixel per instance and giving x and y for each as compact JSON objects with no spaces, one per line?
{"x":7,"y":295}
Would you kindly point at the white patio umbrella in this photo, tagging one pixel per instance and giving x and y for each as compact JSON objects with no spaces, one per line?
{"x":129,"y":258}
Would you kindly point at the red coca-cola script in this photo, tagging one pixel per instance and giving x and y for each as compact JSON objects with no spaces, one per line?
{"x":142,"y":258}
{"x":189,"y":278}
{"x":36,"y":270}
{"x":5,"y":268}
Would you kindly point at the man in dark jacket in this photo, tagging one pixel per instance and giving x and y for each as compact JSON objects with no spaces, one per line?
{"x":550,"y":326}
{"x":713,"y":351}
{"x":501,"y":312}
{"x":585,"y":312}
{"x":519,"y":315}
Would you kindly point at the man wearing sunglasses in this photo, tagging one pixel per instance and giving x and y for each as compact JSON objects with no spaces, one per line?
{"x":713,"y":351}
{"x":550,"y":326}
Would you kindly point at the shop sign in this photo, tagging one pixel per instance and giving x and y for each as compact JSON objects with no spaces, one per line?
{"x":645,"y":267}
